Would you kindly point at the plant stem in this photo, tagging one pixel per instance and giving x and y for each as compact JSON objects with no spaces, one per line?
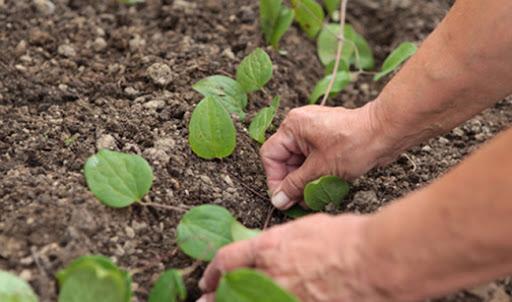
{"x":341,"y":39}
{"x":190,"y":269}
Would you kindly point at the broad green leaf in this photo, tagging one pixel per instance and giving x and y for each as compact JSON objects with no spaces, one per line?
{"x":269,"y":14}
{"x":254,"y":71}
{"x":325,"y":190}
{"x":15,"y":289}
{"x":92,"y":279}
{"x":169,"y":288}
{"x":365,"y":53}
{"x":228,"y":91}
{"x":297,"y":211}
{"x":310,"y":16}
{"x":240,"y":232}
{"x":332,"y":6}
{"x":211,"y":130}
{"x":327,"y":43}
{"x":118,"y":179}
{"x":343,"y":66}
{"x":246,"y":285}
{"x":403,"y":52}
{"x":281,"y":26}
{"x":131,"y":2}
{"x":262,"y":121}
{"x":342,"y":80}
{"x":203,"y":230}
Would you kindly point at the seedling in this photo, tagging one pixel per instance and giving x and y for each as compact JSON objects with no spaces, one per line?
{"x":275,"y":19}
{"x":403,"y":52}
{"x":118,"y":179}
{"x":15,"y":289}
{"x":169,"y":288}
{"x":212,"y":133}
{"x":325,"y":190}
{"x":92,"y":279}
{"x":310,"y":16}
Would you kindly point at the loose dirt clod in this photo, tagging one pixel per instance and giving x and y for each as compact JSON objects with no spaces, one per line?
{"x":160,"y":73}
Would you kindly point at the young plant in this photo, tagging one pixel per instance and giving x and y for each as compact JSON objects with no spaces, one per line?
{"x":325,"y":190}
{"x":118,"y":179}
{"x":92,"y":279}
{"x":169,"y":288}
{"x":263,"y":120}
{"x":15,"y":289}
{"x":310,"y":16}
{"x":212,"y":133}
{"x":403,"y":52}
{"x":275,"y":19}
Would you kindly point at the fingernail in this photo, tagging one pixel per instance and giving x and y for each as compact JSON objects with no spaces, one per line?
{"x":280,"y":200}
{"x":202,"y":299}
{"x":202,"y":286}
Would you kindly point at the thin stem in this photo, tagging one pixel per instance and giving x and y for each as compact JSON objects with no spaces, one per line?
{"x":190,"y":269}
{"x":341,"y":39}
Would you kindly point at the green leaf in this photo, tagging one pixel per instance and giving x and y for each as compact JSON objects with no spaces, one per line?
{"x":240,"y":232}
{"x":343,"y":66}
{"x":15,"y":289}
{"x":310,"y":16}
{"x":332,"y":6}
{"x":281,"y":26}
{"x":297,"y":211}
{"x":169,"y":288}
{"x":327,"y":43}
{"x":403,"y":52}
{"x":118,"y":179}
{"x":342,"y":80}
{"x":262,"y":121}
{"x":254,"y":71}
{"x":92,"y":279}
{"x":211,"y":130}
{"x":246,"y":285}
{"x":365,"y":53}
{"x":203,"y":230}
{"x":231,"y":95}
{"x":325,"y":190}
{"x":131,"y":2}
{"x":269,"y":14}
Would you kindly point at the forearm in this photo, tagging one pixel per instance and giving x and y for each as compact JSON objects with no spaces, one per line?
{"x":462,"y":68}
{"x":452,"y":234}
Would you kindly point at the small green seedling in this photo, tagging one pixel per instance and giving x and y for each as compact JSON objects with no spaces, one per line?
{"x":403,"y":52}
{"x":212,"y":133}
{"x":249,"y":285}
{"x":341,"y":81}
{"x":275,"y":19}
{"x":263,"y":120}
{"x":203,"y":230}
{"x":325,"y":190}
{"x":92,"y":279}
{"x":169,"y":288}
{"x":15,"y":289}
{"x":118,"y":179}
{"x":310,"y":16}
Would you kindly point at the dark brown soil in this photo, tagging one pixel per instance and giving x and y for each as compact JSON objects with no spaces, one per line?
{"x":62,"y":92}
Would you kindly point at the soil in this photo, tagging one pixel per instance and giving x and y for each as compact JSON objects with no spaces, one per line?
{"x":76,"y":79}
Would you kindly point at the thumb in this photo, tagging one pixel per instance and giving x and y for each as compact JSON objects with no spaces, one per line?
{"x":291,"y":189}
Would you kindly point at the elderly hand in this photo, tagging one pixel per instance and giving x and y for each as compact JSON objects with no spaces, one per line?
{"x":318,"y":258}
{"x":314,"y":141}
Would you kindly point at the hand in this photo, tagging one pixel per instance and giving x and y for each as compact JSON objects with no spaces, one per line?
{"x":314,"y":141}
{"x":318,"y":258}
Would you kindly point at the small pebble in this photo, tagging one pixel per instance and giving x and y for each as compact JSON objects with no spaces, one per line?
{"x":154,"y":104}
{"x":66,"y":50}
{"x":443,"y":140}
{"x":106,"y":141}
{"x":45,"y":7}
{"x":160,"y":73}
{"x":99,"y":44}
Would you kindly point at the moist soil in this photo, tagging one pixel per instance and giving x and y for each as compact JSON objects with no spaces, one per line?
{"x":76,"y":79}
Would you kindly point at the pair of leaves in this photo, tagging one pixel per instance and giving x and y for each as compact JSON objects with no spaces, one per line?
{"x":15,"y":289}
{"x":325,"y":190}
{"x":212,"y":133}
{"x":203,"y":230}
{"x":118,"y":179}
{"x":263,"y":120}
{"x":169,"y":288}
{"x":310,"y":16}
{"x":275,"y":19}
{"x":403,"y":52}
{"x":94,"y":278}
{"x":327,"y":45}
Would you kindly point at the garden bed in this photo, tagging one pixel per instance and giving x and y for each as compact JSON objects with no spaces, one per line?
{"x":77,"y":79}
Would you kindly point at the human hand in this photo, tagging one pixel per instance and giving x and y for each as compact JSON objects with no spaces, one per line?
{"x":318,"y":258}
{"x":314,"y":141}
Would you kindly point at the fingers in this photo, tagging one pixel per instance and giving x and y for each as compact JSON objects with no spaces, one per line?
{"x":291,"y":188}
{"x":207,"y":298}
{"x":236,"y":255}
